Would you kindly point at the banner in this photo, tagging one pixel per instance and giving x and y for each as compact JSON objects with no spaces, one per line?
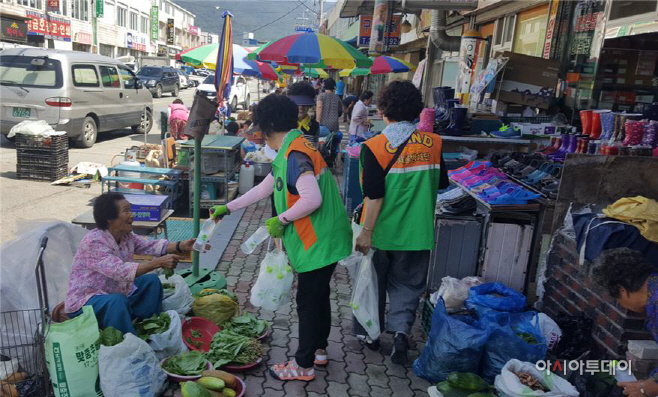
{"x":392,"y":34}
{"x":170,"y":31}
{"x":100,"y":8}
{"x":193,"y":30}
{"x":155,"y":29}
{"x":53,"y":5}
{"x":13,"y":29}
{"x":49,"y":26}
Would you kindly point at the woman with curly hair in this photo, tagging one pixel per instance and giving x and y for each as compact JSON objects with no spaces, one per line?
{"x":633,"y":282}
{"x":312,"y":221}
{"x":401,"y":174}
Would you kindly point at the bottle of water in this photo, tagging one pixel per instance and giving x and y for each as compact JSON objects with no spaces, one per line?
{"x":252,"y":242}
{"x":204,"y":235}
{"x":624,"y":375}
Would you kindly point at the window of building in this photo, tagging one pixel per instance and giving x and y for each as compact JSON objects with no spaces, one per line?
{"x":504,"y":33}
{"x":530,"y":35}
{"x":121,"y":16}
{"x":84,"y":76}
{"x":31,"y":3}
{"x":624,"y":9}
{"x":109,"y":76}
{"x":133,"y":21}
{"x":80,"y":9}
{"x":144,"y":24}
{"x":167,"y":8}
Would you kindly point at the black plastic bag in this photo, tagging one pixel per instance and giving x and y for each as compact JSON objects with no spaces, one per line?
{"x":576,"y":337}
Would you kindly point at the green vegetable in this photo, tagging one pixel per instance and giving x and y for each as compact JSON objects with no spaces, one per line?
{"x":153,"y":325}
{"x":246,"y":325}
{"x":168,"y":273}
{"x":229,"y":392}
{"x":192,"y":389}
{"x":467,"y":381}
{"x":195,"y":333}
{"x":110,"y":336}
{"x":227,"y":347}
{"x":196,"y":343}
{"x":449,"y":391}
{"x":186,"y":364}
{"x":216,"y":306}
{"x":527,"y":338}
{"x":481,"y":394}
{"x":211,"y":383}
{"x":211,"y":291}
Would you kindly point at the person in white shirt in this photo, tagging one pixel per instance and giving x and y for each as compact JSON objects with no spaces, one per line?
{"x":359,"y":123}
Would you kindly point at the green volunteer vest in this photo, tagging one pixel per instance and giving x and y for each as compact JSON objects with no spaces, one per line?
{"x":325,"y":236}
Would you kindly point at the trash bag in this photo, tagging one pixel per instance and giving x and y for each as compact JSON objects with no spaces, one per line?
{"x":72,"y":355}
{"x":272,"y":288}
{"x":508,"y":384}
{"x":576,"y":337}
{"x":454,"y":293}
{"x":549,"y":328}
{"x":495,"y":296}
{"x":365,"y":297}
{"x":179,"y":298}
{"x":455,"y":344}
{"x":512,"y":336}
{"x":130,"y":369}
{"x":170,"y":342}
{"x":598,"y":384}
{"x":215,"y":305}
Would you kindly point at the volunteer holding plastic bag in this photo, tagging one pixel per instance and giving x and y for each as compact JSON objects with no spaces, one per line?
{"x":401,"y":170}
{"x":312,"y":222}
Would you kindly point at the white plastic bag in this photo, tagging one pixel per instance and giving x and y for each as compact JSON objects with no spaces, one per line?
{"x":170,"y":342}
{"x":454,"y":293}
{"x":272,"y":288}
{"x":33,"y":127}
{"x":365,"y":297}
{"x":130,"y":369}
{"x":550,"y":330}
{"x":352,"y":261}
{"x":509,"y":385}
{"x":180,"y":299}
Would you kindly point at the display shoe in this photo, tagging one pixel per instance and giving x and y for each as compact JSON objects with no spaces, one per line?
{"x":564,"y":146}
{"x":596,"y":124}
{"x":586,"y":121}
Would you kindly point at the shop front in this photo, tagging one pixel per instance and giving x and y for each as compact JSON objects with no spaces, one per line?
{"x":13,"y":29}
{"x":52,"y":31}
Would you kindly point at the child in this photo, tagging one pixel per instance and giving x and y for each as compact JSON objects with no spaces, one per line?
{"x":178,"y":114}
{"x":232,"y":128}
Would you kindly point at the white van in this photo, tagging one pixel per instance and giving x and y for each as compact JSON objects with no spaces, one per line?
{"x":77,"y":92}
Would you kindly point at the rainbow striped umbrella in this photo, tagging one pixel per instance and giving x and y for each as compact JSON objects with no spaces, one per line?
{"x":313,"y":50}
{"x":206,"y":56}
{"x":224,"y":64}
{"x":354,"y":72}
{"x":385,"y":64}
{"x":302,"y":70}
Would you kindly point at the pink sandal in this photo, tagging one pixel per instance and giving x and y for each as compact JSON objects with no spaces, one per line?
{"x":292,"y":371}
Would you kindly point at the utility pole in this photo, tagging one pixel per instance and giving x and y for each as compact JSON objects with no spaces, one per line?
{"x":321,"y":16}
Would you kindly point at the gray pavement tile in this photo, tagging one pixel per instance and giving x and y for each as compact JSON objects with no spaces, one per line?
{"x":277,"y":355}
{"x":274,"y":392}
{"x":358,"y":385}
{"x":377,"y":375}
{"x":319,"y":385}
{"x":373,"y":357}
{"x":394,"y":369}
{"x":336,"y":371}
{"x":355,"y":363}
{"x":400,"y":387}
{"x":254,"y":384}
{"x":337,"y":389}
{"x":335,"y":351}
{"x":295,"y":388}
{"x":335,"y":335}
{"x":381,"y":392}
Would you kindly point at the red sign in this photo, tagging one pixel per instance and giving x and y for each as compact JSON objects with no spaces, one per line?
{"x":193,"y":29}
{"x":49,"y":26}
{"x":53,"y":5}
{"x":82,"y":38}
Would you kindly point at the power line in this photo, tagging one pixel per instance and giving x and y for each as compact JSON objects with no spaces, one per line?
{"x":307,"y":7}
{"x":278,"y":19}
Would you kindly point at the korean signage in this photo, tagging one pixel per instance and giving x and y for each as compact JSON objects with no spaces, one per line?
{"x":162,"y":50}
{"x":588,"y":17}
{"x":155,"y":29}
{"x":546,"y":54}
{"x":82,"y":37}
{"x":170,"y":31}
{"x":306,"y":29}
{"x":49,"y":26}
{"x":53,"y":5}
{"x":391,"y":36}
{"x":13,"y":29}
{"x":135,"y":43}
{"x":100,"y":8}
{"x":193,"y":29}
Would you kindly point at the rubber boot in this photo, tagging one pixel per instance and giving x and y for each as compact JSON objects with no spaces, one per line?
{"x":586,"y":121}
{"x":596,"y":125}
{"x":457,"y":119}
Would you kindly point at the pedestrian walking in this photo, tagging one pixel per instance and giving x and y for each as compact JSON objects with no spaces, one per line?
{"x":401,"y":174}
{"x":312,"y":222}
{"x":359,"y":124}
{"x":328,"y":110}
{"x":340,"y":88}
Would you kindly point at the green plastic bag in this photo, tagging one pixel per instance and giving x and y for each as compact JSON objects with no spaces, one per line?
{"x":72,"y":356}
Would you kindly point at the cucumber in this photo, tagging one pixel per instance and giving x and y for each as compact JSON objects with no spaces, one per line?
{"x":211,"y":383}
{"x":191,"y":389}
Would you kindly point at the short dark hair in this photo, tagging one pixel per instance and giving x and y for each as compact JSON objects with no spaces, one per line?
{"x":365,"y":95}
{"x":232,"y":127}
{"x":400,"y":101}
{"x":247,"y":123}
{"x":178,"y":100}
{"x":621,"y":268}
{"x":276,"y":113}
{"x":302,"y":88}
{"x":106,"y":209}
{"x":329,"y":84}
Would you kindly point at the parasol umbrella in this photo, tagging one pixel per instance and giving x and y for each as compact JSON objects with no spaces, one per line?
{"x":302,"y":70}
{"x":313,"y":50}
{"x":354,"y":72}
{"x":385,"y":64}
{"x":206,"y":56}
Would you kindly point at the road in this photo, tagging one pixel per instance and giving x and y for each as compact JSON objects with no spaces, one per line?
{"x":22,"y":200}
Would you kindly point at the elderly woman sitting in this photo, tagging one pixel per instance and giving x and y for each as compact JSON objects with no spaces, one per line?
{"x":104,"y":274}
{"x":633,"y":282}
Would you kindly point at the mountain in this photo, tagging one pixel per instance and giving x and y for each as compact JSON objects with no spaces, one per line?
{"x":267,"y":19}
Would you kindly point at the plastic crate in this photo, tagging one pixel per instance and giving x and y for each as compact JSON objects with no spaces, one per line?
{"x":36,"y":173}
{"x":54,"y":160}
{"x":426,"y":316}
{"x":38,"y":141}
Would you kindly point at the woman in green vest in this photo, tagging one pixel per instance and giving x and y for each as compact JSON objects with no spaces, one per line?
{"x":312,"y":221}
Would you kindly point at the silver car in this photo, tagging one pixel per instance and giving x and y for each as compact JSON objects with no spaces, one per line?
{"x":77,"y":92}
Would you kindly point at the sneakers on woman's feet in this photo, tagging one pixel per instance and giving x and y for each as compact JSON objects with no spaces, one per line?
{"x":320,"y":358}
{"x":369,"y":343}
{"x":292,"y":371}
{"x":400,"y":349}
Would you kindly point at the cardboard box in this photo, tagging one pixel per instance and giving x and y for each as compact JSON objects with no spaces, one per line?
{"x":147,"y":207}
{"x":527,"y":80}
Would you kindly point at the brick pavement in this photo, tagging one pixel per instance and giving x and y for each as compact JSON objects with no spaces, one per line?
{"x":352,"y":370}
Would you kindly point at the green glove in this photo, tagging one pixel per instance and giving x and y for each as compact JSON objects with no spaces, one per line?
{"x":275,"y":227}
{"x":218,"y":210}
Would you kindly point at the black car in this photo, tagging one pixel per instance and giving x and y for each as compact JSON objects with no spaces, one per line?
{"x":159,"y":79}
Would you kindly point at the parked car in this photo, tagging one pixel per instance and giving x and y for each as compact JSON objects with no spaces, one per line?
{"x":160,"y":79}
{"x":239,"y":91}
{"x":203,"y":72}
{"x":76,"y":92}
{"x":183,"y":79}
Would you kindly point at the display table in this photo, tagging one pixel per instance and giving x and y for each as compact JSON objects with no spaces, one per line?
{"x":86,"y":220}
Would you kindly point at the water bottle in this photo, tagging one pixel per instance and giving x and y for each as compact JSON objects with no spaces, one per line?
{"x":252,"y":242}
{"x":204,"y":235}
{"x":624,"y":375}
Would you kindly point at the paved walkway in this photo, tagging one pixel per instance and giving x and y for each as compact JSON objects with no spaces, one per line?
{"x":352,"y":370}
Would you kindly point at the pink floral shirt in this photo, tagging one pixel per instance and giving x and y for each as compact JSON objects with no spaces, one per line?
{"x":101,"y":266}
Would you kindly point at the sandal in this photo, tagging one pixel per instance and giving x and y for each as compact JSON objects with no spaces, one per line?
{"x":321,"y":358}
{"x":292,"y":371}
